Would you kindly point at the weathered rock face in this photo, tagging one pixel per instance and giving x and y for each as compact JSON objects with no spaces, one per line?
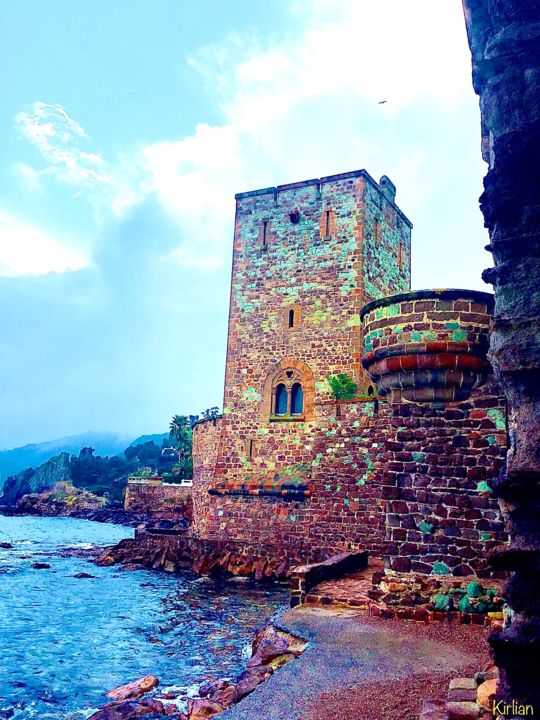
{"x":56,"y":469}
{"x":504,"y":37}
{"x":62,"y":499}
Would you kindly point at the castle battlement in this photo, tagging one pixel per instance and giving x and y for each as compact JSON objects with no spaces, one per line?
{"x":323,"y":189}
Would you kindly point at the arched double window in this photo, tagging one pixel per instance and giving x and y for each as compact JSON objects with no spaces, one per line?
{"x":287,"y":394}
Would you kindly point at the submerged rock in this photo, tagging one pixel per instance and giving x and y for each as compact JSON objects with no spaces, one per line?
{"x":6,"y":545}
{"x":40,"y":566}
{"x":82,"y":575}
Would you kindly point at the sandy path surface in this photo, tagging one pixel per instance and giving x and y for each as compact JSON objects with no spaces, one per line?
{"x":359,"y":668}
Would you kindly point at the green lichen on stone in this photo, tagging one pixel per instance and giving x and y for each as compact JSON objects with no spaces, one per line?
{"x":474,"y":589}
{"x":459,"y":335}
{"x":251,"y":395}
{"x":429,"y":335}
{"x":354,"y":321}
{"x":425,"y":527}
{"x":441,"y":602}
{"x":465,"y":606}
{"x":451,"y":325}
{"x":483,"y":487}
{"x":485,"y":536}
{"x":321,"y":386}
{"x":293,"y":518}
{"x":220,"y":513}
{"x":419,"y":457}
{"x":441,"y":568}
{"x":491,"y":439}
{"x":346,"y":501}
{"x":496,"y":416}
{"x":415,"y":336}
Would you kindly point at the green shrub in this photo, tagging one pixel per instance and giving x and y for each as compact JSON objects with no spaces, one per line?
{"x":343,"y":386}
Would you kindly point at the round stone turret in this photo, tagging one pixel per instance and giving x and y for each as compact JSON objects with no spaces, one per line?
{"x":428,"y":345}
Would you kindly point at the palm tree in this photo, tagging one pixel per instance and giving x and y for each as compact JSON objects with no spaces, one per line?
{"x":178,"y":427}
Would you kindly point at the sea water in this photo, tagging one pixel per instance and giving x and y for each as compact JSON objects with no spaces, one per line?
{"x":66,"y":641}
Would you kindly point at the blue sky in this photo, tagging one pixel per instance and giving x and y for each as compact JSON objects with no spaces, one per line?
{"x":127,"y":127}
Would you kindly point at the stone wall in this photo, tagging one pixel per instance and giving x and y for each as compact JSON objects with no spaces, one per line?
{"x":413,"y":485}
{"x":160,"y":500}
{"x":426,"y":350}
{"x":442,"y":464}
{"x":333,"y":506}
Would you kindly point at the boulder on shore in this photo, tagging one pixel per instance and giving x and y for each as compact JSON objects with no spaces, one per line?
{"x":130,"y":709}
{"x":202,"y":708}
{"x":134,"y":689}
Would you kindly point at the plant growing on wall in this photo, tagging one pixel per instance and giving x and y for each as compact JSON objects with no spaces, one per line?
{"x":343,"y":386}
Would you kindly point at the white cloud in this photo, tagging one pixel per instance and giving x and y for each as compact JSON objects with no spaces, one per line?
{"x":26,"y":250}
{"x":303,"y":105}
{"x":308,"y":105}
{"x":57,"y":136}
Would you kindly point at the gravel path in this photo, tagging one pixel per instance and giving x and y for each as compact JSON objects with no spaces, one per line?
{"x":359,"y":668}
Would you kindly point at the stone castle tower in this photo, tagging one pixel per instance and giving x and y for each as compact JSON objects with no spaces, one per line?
{"x":291,"y":474}
{"x":307,"y":256}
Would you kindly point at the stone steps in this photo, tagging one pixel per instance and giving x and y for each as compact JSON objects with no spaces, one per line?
{"x":351,"y":590}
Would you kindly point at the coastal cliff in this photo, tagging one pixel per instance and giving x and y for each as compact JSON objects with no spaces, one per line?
{"x":30,"y":481}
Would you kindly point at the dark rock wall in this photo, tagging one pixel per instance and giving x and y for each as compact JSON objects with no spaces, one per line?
{"x":504,"y":36}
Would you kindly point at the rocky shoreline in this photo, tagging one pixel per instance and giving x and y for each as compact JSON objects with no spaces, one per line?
{"x":272,"y":647}
{"x":112,"y":514}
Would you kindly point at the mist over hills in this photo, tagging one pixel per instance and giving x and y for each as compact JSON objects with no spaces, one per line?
{"x":14,"y":460}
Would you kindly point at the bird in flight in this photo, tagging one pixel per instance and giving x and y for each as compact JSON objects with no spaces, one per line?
{"x":382,"y":102}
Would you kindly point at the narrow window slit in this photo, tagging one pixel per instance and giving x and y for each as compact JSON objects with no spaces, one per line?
{"x":291,"y":318}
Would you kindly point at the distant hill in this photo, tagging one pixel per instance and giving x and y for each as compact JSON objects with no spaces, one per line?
{"x":105,"y":443}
